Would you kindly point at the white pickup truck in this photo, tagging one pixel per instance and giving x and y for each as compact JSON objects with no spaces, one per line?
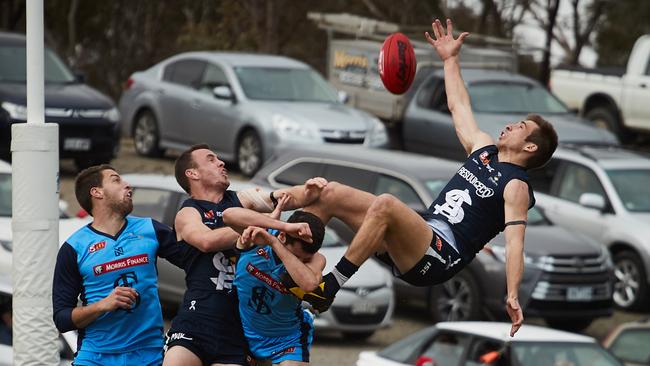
{"x":616,"y":100}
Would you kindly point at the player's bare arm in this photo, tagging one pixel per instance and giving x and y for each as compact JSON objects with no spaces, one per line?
{"x":189,"y":227}
{"x":448,"y":48}
{"x":516,"y":199}
{"x":241,"y":218}
{"x":306,"y":275}
{"x":119,"y":298}
{"x":300,"y":196}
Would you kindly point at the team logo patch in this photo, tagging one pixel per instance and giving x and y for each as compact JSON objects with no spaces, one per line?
{"x":209,"y":215}
{"x":263,"y":253}
{"x":136,"y":260}
{"x":438,"y":243}
{"x":484,"y":158}
{"x":97,"y":246}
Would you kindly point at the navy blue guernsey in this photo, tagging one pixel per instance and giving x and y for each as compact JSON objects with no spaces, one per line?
{"x":90,"y":264}
{"x":209,"y":297}
{"x":472,"y":202}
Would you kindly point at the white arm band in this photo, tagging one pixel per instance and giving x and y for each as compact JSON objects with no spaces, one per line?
{"x":256,"y":198}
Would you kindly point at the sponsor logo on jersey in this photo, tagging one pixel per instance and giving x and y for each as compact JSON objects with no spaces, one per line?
{"x":484,"y":158}
{"x":263,"y":253}
{"x":118,"y":251}
{"x":209,"y":215}
{"x":438,"y":243}
{"x":177,"y":336}
{"x":97,"y":246}
{"x":482,"y":190}
{"x":270,"y":281}
{"x":136,"y":260}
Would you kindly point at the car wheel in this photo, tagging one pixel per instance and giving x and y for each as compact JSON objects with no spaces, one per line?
{"x":249,"y":153}
{"x":146,"y":135}
{"x":455,"y":300}
{"x":630,"y":286}
{"x":604,"y":118}
{"x":358,"y":336}
{"x":569,"y":325}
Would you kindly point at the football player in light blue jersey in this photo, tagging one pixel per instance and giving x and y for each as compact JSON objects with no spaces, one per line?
{"x":110,"y":266}
{"x":272,"y":265}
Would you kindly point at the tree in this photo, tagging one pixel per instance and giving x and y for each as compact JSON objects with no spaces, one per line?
{"x":622,"y":23}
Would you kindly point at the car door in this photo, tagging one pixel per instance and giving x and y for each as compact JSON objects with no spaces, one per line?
{"x":571,"y":182}
{"x":215,"y":120}
{"x":180,"y":122}
{"x":428,"y":127}
{"x":636,"y":91}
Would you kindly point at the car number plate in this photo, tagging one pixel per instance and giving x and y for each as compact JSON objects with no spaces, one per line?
{"x":579,"y":293}
{"x":363,"y":307}
{"x":76,"y":144}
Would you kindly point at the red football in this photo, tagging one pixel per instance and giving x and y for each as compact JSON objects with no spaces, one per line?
{"x":397,"y":63}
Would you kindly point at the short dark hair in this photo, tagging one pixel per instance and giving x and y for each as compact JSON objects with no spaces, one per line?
{"x":185,"y":162}
{"x":315,"y":225}
{"x":85,"y":181}
{"x":545,"y":138}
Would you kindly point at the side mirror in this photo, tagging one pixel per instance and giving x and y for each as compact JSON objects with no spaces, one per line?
{"x":223,"y":92}
{"x":592,"y":200}
{"x":344,"y":97}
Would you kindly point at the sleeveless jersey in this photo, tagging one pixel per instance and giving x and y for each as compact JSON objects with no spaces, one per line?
{"x":472,"y":202}
{"x":209,"y":276}
{"x":266,"y":307}
{"x":90,"y":264}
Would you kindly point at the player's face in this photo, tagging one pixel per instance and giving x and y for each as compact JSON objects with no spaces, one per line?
{"x":117,"y":192}
{"x":295,"y":247}
{"x":514,"y":135}
{"x":212,"y":171}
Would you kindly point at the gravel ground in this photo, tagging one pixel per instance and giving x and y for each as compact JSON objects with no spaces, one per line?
{"x":328,"y":348}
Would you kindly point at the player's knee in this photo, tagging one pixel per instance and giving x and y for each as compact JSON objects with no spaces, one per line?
{"x":331,"y":191}
{"x":382,"y":206}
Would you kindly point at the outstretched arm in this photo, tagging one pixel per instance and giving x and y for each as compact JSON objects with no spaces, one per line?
{"x":516,"y":212}
{"x":240,"y":218}
{"x":300,"y":196}
{"x":189,"y":227}
{"x":448,"y":48}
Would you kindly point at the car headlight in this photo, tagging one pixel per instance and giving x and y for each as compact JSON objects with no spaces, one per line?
{"x":287,"y":127}
{"x":541,"y":261}
{"x":16,"y":111}
{"x":7,"y":245}
{"x":112,"y":115}
{"x":377,"y":135}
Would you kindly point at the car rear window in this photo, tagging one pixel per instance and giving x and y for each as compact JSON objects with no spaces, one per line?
{"x":298,"y":173}
{"x":632,"y":346}
{"x":13,"y":66}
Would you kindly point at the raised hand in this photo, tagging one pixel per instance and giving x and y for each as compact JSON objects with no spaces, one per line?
{"x":313,"y":188}
{"x":282,"y":203}
{"x":299,"y":230}
{"x":256,"y":235}
{"x":445,"y":44}
{"x":119,"y":298}
{"x":516,"y":315}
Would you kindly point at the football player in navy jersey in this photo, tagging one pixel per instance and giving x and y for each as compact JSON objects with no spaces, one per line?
{"x":207,"y":329}
{"x":110,"y":265}
{"x":489,"y":194}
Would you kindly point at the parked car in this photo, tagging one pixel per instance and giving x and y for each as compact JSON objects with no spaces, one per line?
{"x":67,"y":225}
{"x":615,"y":99}
{"x":567,"y":280}
{"x":88,"y":120}
{"x":242,"y":105}
{"x":629,"y":343}
{"x":489,"y":343}
{"x":364,"y":304}
{"x":428,"y":128}
{"x":604,"y":193}
{"x":67,"y":341}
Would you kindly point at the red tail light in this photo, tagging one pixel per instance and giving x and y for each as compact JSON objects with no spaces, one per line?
{"x":128,"y":84}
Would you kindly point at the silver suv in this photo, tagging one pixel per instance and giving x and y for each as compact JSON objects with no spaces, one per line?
{"x":604,"y":193}
{"x":242,"y":105}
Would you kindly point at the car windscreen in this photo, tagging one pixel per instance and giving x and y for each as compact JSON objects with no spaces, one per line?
{"x":631,"y":345}
{"x":286,"y":84}
{"x":632,"y":187}
{"x":5,"y":195}
{"x":511,"y":97}
{"x":13,"y":66}
{"x":575,"y":354}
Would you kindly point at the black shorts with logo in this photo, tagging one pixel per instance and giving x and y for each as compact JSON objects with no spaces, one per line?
{"x":209,"y":344}
{"x":440,"y":263}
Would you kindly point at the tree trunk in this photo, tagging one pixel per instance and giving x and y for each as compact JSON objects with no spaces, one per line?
{"x":545,"y":72}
